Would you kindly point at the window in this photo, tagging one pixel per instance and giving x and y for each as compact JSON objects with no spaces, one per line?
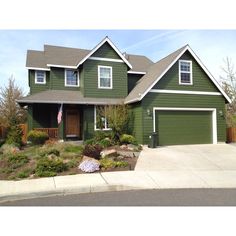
{"x":105,"y":77}
{"x":100,"y":120}
{"x":71,"y":78}
{"x":185,"y":72}
{"x":40,"y":77}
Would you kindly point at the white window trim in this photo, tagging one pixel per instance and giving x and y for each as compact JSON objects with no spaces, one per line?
{"x":213,"y":110}
{"x":190,"y":72}
{"x":95,"y":122}
{"x":100,"y":87}
{"x":69,"y":85}
{"x":44,"y":77}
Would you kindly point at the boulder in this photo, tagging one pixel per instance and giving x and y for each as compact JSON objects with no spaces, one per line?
{"x":85,"y":158}
{"x":123,"y":146}
{"x":89,"y":164}
{"x":108,"y":152}
{"x":131,"y":147}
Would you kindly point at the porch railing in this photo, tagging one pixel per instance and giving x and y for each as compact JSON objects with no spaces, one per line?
{"x":52,"y":132}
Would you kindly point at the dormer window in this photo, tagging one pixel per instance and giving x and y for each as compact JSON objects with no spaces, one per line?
{"x":185,"y":72}
{"x":105,"y":77}
{"x":40,"y":77}
{"x":71,"y":78}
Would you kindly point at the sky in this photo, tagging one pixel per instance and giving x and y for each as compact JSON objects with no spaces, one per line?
{"x":211,"y":46}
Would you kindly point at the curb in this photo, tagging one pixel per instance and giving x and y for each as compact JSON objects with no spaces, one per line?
{"x":65,"y":191}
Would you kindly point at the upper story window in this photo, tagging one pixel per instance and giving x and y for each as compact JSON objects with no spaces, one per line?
{"x":185,"y":72}
{"x":100,"y":119}
{"x":71,"y":78}
{"x":40,"y":77}
{"x":105,"y":77}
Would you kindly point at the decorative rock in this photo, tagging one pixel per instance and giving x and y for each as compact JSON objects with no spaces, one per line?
{"x":89,"y":166}
{"x":124,"y":146}
{"x":108,"y":152}
{"x":119,"y":158}
{"x":131,"y":147}
{"x":86,"y":158}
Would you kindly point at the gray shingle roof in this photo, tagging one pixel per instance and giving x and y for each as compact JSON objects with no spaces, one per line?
{"x":154,"y":71}
{"x":139,"y":63}
{"x":66,"y":56}
{"x":66,"y":97}
{"x":36,"y":59}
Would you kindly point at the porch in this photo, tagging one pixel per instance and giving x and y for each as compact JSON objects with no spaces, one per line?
{"x":43,"y":117}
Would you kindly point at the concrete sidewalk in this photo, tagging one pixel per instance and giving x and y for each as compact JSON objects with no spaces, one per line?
{"x":115,"y":181}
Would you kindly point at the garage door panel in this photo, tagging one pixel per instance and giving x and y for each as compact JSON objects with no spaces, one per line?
{"x":184,"y":127}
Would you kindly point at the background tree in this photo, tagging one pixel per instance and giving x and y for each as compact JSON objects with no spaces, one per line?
{"x":9,"y":109}
{"x":229,"y":85}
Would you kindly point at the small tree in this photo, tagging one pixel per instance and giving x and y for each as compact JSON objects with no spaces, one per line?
{"x":229,"y":86}
{"x":9,"y":108}
{"x":117,"y":117}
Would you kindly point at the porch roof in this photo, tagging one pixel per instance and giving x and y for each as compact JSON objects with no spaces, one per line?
{"x":66,"y":97}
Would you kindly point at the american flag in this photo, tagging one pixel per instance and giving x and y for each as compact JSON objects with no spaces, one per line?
{"x":59,"y":115}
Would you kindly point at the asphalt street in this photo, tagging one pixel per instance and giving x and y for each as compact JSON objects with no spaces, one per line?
{"x":160,"y":197}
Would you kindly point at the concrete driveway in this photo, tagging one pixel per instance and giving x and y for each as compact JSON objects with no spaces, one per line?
{"x":190,"y":165}
{"x":188,"y":157}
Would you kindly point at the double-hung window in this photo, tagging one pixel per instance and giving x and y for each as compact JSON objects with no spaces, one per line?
{"x":105,"y":77}
{"x":100,"y":119}
{"x":185,"y":72}
{"x":71,"y":78}
{"x":40,"y":77}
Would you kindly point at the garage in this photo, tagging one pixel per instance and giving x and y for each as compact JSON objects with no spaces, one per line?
{"x":185,"y":126}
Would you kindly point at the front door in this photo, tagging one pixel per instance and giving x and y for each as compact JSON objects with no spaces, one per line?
{"x":72,"y":123}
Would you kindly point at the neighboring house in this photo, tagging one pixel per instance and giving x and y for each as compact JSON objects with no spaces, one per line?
{"x":177,"y":96}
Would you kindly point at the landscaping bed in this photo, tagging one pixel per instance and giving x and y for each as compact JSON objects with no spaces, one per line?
{"x":55,"y":159}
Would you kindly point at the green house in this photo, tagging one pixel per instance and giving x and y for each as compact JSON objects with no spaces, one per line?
{"x":176,"y":97}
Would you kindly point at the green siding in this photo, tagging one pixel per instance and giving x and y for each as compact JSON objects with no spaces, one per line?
{"x":201,"y":82}
{"x":182,"y":100}
{"x":183,"y":127}
{"x":106,"y":51}
{"x":88,"y":122}
{"x":35,"y":88}
{"x":119,"y":77}
{"x":57,"y":79}
{"x":136,"y":122}
{"x":132,"y":80}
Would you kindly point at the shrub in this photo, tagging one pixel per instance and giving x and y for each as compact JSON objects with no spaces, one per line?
{"x":106,"y":142}
{"x":92,"y":151}
{"x":51,"y":151}
{"x":90,"y":141}
{"x":107,"y":163}
{"x":7,"y":149}
{"x":37,"y":137}
{"x":48,"y":167}
{"x":72,"y":163}
{"x":128,"y":139}
{"x":24,"y":173}
{"x":17,"y":160}
{"x":100,"y":135}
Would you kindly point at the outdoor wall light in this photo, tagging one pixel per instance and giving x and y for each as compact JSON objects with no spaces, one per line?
{"x":221,"y":113}
{"x":148,"y":112}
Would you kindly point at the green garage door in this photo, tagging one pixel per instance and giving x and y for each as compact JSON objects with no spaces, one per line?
{"x":183,"y":127}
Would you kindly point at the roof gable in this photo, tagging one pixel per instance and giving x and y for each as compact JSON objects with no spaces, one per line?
{"x":159,"y":69}
{"x":105,"y":40}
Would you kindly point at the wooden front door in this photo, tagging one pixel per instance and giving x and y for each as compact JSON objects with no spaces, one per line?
{"x":72,"y":123}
